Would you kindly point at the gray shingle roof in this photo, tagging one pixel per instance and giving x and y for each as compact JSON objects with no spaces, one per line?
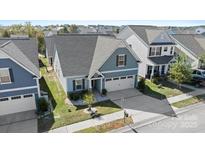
{"x":50,"y":46}
{"x":194,"y":42}
{"x":152,"y":35}
{"x":25,"y":51}
{"x":161,"y":60}
{"x":84,"y":54}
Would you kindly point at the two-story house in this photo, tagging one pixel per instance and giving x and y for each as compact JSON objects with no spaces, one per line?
{"x":94,"y":62}
{"x":192,"y":45}
{"x":19,"y":75}
{"x":153,"y":46}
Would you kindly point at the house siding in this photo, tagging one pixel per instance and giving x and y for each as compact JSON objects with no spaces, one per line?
{"x":22,"y":78}
{"x":110,"y":64}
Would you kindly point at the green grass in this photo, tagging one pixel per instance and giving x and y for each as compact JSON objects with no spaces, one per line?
{"x":189,"y":101}
{"x":64,"y":114}
{"x":165,"y":91}
{"x":107,"y":126}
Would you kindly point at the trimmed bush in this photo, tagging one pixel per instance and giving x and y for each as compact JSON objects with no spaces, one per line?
{"x":104,"y":92}
{"x":43,"y":105}
{"x":141,"y":84}
{"x":75,"y":96}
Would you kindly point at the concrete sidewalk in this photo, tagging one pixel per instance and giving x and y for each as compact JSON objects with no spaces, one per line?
{"x":185,"y":96}
{"x":89,"y":123}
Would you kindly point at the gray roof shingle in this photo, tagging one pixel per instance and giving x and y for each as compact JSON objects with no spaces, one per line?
{"x":25,"y":51}
{"x":84,"y":54}
{"x":50,"y":46}
{"x":194,"y":42}
{"x":161,"y":60}
{"x":152,"y":35}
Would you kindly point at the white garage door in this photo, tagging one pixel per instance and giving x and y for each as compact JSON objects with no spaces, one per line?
{"x":17,"y":104}
{"x":120,"y":83}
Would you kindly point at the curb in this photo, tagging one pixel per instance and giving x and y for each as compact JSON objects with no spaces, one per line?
{"x":156,"y":119}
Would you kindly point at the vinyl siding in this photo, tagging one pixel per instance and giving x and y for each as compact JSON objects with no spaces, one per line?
{"x":22,"y":78}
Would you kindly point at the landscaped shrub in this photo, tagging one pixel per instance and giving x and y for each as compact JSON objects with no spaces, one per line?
{"x":43,"y":105}
{"x":75,"y":96}
{"x":104,"y":92}
{"x":141,"y":84}
{"x":155,"y":80}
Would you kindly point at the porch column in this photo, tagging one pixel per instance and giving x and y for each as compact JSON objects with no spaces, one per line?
{"x":101,"y":83}
{"x":90,"y":84}
{"x":160,"y":69}
{"x":152,"y":73}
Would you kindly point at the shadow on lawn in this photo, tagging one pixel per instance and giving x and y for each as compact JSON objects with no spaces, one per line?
{"x":107,"y":103}
{"x":45,"y":123}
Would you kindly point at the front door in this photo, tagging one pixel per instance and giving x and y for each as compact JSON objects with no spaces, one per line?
{"x":94,"y":84}
{"x":163,"y":70}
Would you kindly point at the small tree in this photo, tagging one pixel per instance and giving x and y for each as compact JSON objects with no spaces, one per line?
{"x":180,"y":71}
{"x":141,"y":85}
{"x":73,"y":29}
{"x":5,"y":33}
{"x":202,"y":61}
{"x":89,"y":99}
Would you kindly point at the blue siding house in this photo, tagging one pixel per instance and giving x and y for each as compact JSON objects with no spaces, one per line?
{"x":94,"y":62}
{"x":19,"y":75}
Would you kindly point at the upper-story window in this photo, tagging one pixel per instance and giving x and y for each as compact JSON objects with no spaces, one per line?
{"x":165,"y":49}
{"x":5,"y":76}
{"x":121,"y":60}
{"x":155,"y":51}
{"x":158,"y":51}
{"x":152,"y":51}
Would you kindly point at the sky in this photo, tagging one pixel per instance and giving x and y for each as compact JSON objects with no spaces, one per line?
{"x":108,"y":22}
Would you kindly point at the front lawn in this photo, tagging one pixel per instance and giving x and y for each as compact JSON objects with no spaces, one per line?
{"x":166,"y":90}
{"x":108,"y":126}
{"x":64,"y":114}
{"x":189,"y":101}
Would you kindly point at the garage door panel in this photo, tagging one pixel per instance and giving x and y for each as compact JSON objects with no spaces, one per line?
{"x":114,"y":85}
{"x":17,"y":105}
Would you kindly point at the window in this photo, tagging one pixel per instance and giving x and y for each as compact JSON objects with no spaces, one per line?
{"x":123,"y":77}
{"x":130,"y":77}
{"x":121,"y":60}
{"x":4,"y":99}
{"x":115,"y":78}
{"x":26,"y":96}
{"x":158,"y":51}
{"x":165,"y":49}
{"x":5,"y":76}
{"x":108,"y":79}
{"x":152,"y":51}
{"x":78,"y":84}
{"x":15,"y":97}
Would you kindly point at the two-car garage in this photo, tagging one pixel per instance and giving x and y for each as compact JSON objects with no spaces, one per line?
{"x":119,"y":83}
{"x":14,"y":104}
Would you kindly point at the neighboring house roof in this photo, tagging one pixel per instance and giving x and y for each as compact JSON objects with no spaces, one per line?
{"x":84,"y":54}
{"x":161,"y":60}
{"x":50,"y":46}
{"x":194,"y":42}
{"x":24,"y":51}
{"x":152,"y":35}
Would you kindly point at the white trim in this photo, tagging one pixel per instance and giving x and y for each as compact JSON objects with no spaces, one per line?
{"x":16,"y":89}
{"x":129,"y":69}
{"x":38,"y":85}
{"x":21,"y":64}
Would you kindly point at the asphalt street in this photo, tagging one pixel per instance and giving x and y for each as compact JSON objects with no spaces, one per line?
{"x":192,"y":121}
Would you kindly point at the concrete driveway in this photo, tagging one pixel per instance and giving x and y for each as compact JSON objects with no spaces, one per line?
{"x":23,"y":122}
{"x":138,"y":104}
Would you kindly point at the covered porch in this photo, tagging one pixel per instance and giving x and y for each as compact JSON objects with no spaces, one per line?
{"x":96,"y":82}
{"x":156,"y":70}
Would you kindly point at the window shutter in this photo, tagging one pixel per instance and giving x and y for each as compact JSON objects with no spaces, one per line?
{"x":150,"y":51}
{"x":11,"y":75}
{"x":117,"y":60}
{"x":125,"y":60}
{"x":73,"y":85}
{"x":160,"y":50}
{"x":83,"y":83}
